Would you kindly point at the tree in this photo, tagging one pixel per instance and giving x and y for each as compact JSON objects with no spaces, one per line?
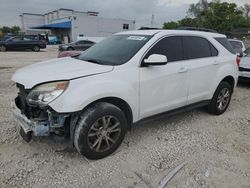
{"x":196,"y":9}
{"x":189,"y":22}
{"x":246,"y":10}
{"x":223,"y":17}
{"x":14,"y":30}
{"x":170,"y":25}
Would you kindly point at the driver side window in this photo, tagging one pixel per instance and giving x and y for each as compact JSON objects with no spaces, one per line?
{"x":170,"y":46}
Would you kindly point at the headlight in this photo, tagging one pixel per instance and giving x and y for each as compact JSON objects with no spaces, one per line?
{"x":44,"y":94}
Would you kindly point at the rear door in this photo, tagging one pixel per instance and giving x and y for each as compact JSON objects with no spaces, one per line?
{"x":202,"y":63}
{"x":15,"y":43}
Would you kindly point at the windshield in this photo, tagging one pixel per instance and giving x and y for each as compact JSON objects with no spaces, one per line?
{"x":115,"y":50}
{"x":236,"y":44}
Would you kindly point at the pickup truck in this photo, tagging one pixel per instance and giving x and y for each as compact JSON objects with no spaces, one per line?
{"x":22,"y":43}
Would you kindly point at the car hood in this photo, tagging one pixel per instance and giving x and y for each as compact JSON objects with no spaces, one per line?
{"x":57,"y":69}
{"x":245,"y":62}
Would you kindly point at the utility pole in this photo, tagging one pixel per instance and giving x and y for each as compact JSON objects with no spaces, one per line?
{"x":152,"y":20}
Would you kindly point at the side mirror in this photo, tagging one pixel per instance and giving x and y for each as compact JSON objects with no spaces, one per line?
{"x":156,"y":59}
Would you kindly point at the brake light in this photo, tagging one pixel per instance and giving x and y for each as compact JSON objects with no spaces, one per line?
{"x":238,"y":61}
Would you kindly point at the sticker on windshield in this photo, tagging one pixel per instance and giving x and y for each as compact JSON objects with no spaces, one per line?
{"x":136,"y":38}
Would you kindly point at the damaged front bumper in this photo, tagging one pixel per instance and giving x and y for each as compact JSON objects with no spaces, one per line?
{"x":54,"y":123}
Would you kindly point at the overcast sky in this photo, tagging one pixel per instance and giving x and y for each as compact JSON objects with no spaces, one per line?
{"x":140,"y":10}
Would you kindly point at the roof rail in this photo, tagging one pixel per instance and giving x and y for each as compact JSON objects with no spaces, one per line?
{"x":149,"y":28}
{"x":197,"y":29}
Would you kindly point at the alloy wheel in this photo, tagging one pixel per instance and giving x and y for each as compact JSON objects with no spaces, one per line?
{"x":104,"y":133}
{"x":223,"y":99}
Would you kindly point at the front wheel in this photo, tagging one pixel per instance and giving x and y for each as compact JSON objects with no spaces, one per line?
{"x":100,"y":130}
{"x":221,"y":99}
{"x":36,"y":48}
{"x":3,"y":48}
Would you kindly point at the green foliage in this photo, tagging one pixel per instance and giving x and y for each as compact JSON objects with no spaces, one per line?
{"x":196,"y":9}
{"x":189,"y":22}
{"x":221,"y":16}
{"x":170,"y":25}
{"x":14,"y":30}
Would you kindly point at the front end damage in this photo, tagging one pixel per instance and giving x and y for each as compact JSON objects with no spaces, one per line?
{"x":37,"y":121}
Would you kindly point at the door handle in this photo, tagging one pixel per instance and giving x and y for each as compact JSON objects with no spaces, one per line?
{"x":215,"y":63}
{"x":182,"y":70}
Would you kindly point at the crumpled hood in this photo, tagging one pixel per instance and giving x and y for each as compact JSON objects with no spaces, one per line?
{"x":57,"y":69}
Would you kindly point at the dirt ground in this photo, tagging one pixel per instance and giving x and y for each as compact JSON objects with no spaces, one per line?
{"x":216,"y":149}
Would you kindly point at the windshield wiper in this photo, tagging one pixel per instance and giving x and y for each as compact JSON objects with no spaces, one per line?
{"x":93,"y":61}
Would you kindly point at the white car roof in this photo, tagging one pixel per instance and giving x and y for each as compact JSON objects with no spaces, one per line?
{"x":169,"y":32}
{"x":235,"y":40}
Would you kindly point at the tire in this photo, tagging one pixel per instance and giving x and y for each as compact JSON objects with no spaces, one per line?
{"x":3,"y":48}
{"x":70,"y":49}
{"x":100,"y":130}
{"x":36,"y":48}
{"x":221,"y":99}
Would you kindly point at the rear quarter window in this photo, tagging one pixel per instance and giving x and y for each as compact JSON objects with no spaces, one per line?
{"x":198,"y":47}
{"x":224,"y":42}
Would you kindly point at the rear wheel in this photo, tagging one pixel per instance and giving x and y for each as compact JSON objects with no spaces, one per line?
{"x":36,"y":48}
{"x":70,"y":48}
{"x":100,"y":130}
{"x":221,"y":99}
{"x":3,"y":48}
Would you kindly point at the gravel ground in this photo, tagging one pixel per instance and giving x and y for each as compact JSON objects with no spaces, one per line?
{"x":216,"y":149}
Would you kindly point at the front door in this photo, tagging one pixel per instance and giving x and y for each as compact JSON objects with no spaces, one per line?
{"x":164,"y":87}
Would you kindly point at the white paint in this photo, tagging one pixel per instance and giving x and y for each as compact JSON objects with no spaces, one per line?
{"x":148,"y":90}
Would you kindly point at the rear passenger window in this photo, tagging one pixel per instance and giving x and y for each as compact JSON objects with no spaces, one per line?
{"x":170,"y":47}
{"x":197,"y":47}
{"x":224,"y":42}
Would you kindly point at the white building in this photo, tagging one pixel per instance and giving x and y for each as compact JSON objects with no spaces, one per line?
{"x":70,"y":24}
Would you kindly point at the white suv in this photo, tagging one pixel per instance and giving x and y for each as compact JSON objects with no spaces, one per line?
{"x":93,"y":99}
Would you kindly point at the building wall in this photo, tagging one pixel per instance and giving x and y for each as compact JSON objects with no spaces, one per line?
{"x":64,"y":13}
{"x":95,"y":26}
{"x":31,"y":20}
{"x":85,"y":23}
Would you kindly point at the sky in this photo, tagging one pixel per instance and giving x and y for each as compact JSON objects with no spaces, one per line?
{"x":139,"y":10}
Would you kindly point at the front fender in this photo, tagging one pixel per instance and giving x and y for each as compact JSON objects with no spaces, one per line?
{"x":83,"y":91}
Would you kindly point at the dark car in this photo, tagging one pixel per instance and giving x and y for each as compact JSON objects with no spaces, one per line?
{"x":79,"y":45}
{"x":69,"y":53}
{"x":22,"y":43}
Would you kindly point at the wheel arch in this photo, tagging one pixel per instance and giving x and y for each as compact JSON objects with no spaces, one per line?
{"x":70,"y":48}
{"x":120,"y":103}
{"x":230,"y":80}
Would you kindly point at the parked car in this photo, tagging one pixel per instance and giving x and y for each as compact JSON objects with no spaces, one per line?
{"x":79,"y":45}
{"x":244,"y":69}
{"x":95,"y":98}
{"x":237,"y":44}
{"x":21,"y":43}
{"x":72,"y":53}
{"x":247,"y":51}
{"x":53,"y":40}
